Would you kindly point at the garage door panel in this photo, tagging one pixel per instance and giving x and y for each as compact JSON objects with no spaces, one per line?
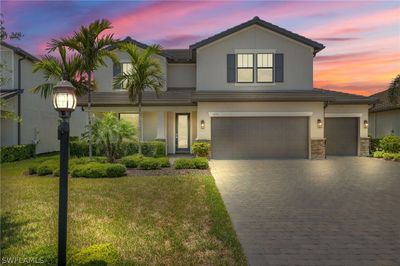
{"x":259,"y":137}
{"x":341,"y":136}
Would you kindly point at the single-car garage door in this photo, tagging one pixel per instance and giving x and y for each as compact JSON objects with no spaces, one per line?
{"x":259,"y":137}
{"x":341,"y":136}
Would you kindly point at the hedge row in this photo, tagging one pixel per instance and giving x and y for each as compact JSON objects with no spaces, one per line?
{"x":195,"y":163}
{"x":149,"y":148}
{"x":388,"y":144}
{"x":145,"y":163}
{"x":387,"y":155}
{"x":17,"y":152}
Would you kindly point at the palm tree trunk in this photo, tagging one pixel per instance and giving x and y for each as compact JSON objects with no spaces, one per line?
{"x":89,"y":113}
{"x":140,"y":125}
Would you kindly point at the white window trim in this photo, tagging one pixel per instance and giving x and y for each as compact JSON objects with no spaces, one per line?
{"x":260,"y":114}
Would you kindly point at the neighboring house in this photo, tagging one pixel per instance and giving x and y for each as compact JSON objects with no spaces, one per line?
{"x":39,"y":119}
{"x":384,"y":116}
{"x":249,"y":91}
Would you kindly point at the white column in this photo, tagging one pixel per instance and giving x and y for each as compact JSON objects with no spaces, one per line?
{"x":161,"y":126}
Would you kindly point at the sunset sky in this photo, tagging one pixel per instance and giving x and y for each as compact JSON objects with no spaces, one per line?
{"x":362,"y":38}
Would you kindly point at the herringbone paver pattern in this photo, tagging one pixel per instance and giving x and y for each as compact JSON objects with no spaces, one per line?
{"x":339,"y":211}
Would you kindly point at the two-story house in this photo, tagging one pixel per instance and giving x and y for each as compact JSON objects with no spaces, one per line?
{"x":38,"y":120}
{"x":249,"y":91}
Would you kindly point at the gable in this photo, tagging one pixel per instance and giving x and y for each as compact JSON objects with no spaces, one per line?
{"x":263,"y":24}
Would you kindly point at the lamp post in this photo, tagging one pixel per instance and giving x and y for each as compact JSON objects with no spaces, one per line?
{"x":64,"y":101}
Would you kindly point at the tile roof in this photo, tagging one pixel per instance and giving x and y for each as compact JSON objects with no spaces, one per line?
{"x":189,"y":96}
{"x":383,"y":103}
{"x":179,"y":56}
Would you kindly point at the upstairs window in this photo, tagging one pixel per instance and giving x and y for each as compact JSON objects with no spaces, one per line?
{"x":245,"y":68}
{"x":265,"y":68}
{"x":126,"y":68}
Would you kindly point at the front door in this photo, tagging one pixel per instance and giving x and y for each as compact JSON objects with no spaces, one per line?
{"x":182,"y":134}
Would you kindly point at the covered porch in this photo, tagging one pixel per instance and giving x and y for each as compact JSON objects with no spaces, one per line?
{"x":176,"y":125}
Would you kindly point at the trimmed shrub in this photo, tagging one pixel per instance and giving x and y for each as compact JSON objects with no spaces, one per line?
{"x":184,"y":163}
{"x":148,"y":163}
{"x":388,"y":156}
{"x":90,"y":170}
{"x":47,"y":167}
{"x":56,"y":172}
{"x":373,"y":144}
{"x":200,"y":162}
{"x":85,"y":160}
{"x":201,"y":149}
{"x":390,"y":144}
{"x":96,"y":255}
{"x":132,"y":161}
{"x":97,"y":170}
{"x":17,"y":152}
{"x":115,"y":170}
{"x":128,"y":148}
{"x":164,"y":161}
{"x":46,"y":255}
{"x":32,"y":170}
{"x":79,"y":148}
{"x":396,"y":157}
{"x":378,"y":154}
{"x":153,"y":148}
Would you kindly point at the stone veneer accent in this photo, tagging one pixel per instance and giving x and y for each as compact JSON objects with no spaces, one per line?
{"x":364,"y":146}
{"x":318,"y":147}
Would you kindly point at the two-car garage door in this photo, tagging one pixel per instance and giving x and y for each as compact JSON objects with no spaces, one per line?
{"x":259,"y":137}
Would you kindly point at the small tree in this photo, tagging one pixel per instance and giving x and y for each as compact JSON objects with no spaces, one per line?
{"x":145,"y":73}
{"x":4,"y":79}
{"x":394,"y":90}
{"x":92,"y":44}
{"x":109,"y":131}
{"x":54,"y":69}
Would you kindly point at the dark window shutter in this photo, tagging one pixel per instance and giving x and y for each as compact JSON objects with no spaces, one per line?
{"x":278,"y":67}
{"x":117,"y":69}
{"x":231,"y":68}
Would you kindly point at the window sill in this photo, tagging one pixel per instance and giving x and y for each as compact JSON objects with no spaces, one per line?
{"x":254,"y":84}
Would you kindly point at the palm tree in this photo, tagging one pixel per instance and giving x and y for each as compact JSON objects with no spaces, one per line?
{"x":55,"y":69}
{"x":92,"y":44}
{"x":394,"y":90}
{"x":145,"y":73}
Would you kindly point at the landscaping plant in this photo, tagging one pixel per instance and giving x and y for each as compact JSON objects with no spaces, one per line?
{"x":201,"y":149}
{"x":145,"y":73}
{"x":390,"y":144}
{"x":109,"y":131}
{"x":148,"y":163}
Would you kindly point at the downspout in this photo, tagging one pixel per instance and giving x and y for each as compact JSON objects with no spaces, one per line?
{"x":19,"y":100}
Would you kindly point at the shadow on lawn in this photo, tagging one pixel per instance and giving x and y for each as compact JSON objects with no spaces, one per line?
{"x":11,"y":231}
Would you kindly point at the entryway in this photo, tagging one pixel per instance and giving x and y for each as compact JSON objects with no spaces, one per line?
{"x":182,"y":133}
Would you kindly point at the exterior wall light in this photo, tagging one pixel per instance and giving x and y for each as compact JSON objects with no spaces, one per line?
{"x":319,"y":123}
{"x":202,"y":124}
{"x":64,"y":101}
{"x":365,"y":123}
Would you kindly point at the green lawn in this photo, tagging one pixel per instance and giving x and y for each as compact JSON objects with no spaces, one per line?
{"x":146,"y":220}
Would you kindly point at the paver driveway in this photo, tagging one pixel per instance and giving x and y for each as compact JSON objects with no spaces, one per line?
{"x":339,"y":211}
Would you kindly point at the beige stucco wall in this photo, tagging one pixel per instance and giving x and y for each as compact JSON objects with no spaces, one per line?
{"x":104,"y":74}
{"x":360,"y":111}
{"x":384,"y":123}
{"x":181,"y":76}
{"x":205,"y":107}
{"x":39,"y":119}
{"x":212,"y":69}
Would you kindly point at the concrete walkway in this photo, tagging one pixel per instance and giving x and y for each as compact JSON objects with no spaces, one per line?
{"x":339,"y":211}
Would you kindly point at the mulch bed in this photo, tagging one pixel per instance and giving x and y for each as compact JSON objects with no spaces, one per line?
{"x":167,"y":172}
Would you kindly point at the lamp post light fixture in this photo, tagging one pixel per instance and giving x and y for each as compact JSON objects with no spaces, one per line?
{"x":319,"y":123}
{"x":202,"y":124}
{"x":64,"y":101}
{"x":365,"y":123}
